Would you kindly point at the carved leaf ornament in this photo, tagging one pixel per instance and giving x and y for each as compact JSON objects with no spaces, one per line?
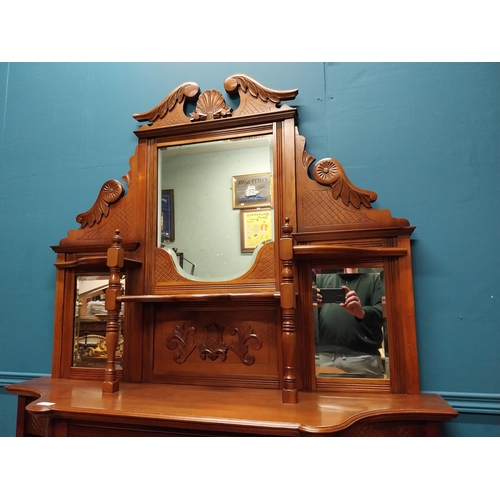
{"x":188,"y":89}
{"x":110,"y":193}
{"x":257,"y":90}
{"x":180,"y":340}
{"x":329,"y":172}
{"x":245,"y":335}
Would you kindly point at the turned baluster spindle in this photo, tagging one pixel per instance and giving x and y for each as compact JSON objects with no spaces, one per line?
{"x":289,"y":394}
{"x":115,"y":259}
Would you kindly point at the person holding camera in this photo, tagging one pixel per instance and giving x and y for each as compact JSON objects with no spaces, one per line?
{"x":348,"y":330}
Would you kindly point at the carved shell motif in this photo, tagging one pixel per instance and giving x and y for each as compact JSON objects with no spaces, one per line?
{"x":329,"y":172}
{"x":110,"y":193}
{"x":210,"y":106}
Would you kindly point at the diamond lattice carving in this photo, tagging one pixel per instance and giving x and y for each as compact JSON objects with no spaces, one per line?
{"x":164,"y":269}
{"x":265,"y":264}
{"x":120,"y":217}
{"x":318,"y":210}
{"x":388,"y":429}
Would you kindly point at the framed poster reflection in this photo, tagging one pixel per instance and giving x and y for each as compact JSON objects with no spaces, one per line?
{"x":255,"y":227}
{"x":252,"y":190}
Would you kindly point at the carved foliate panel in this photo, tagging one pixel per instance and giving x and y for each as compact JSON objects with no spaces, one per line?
{"x":215,"y":342}
{"x":213,"y":347}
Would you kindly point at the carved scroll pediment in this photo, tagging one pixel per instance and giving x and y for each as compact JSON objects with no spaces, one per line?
{"x":254,"y":99}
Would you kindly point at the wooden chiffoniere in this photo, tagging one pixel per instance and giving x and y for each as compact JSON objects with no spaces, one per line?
{"x":229,"y":284}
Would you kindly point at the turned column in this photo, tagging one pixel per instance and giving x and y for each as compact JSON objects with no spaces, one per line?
{"x":287,"y":298}
{"x":115,"y":259}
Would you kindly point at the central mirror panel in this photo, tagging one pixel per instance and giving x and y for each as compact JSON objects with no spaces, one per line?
{"x":215,"y":205}
{"x":350,"y":326}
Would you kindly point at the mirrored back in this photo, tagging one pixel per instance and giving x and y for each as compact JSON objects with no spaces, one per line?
{"x":350,"y":325}
{"x":90,"y":349}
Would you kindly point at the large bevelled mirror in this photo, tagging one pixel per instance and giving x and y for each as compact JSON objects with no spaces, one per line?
{"x":215,"y":204}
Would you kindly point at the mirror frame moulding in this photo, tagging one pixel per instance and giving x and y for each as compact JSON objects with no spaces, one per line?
{"x":400,"y":313}
{"x":166,"y":277}
{"x":78,"y":369}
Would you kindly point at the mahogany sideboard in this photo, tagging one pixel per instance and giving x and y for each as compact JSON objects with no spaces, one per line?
{"x":227,"y":344}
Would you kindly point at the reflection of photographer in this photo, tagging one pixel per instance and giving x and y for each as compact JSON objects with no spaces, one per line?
{"x":349,"y":333}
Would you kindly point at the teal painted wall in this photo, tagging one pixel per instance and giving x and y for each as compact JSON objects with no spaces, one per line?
{"x":425,"y":137}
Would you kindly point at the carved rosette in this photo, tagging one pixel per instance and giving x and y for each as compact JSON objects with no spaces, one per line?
{"x":210,"y":106}
{"x":110,"y":193}
{"x":180,"y":340}
{"x":245,"y":335}
{"x":329,"y":172}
